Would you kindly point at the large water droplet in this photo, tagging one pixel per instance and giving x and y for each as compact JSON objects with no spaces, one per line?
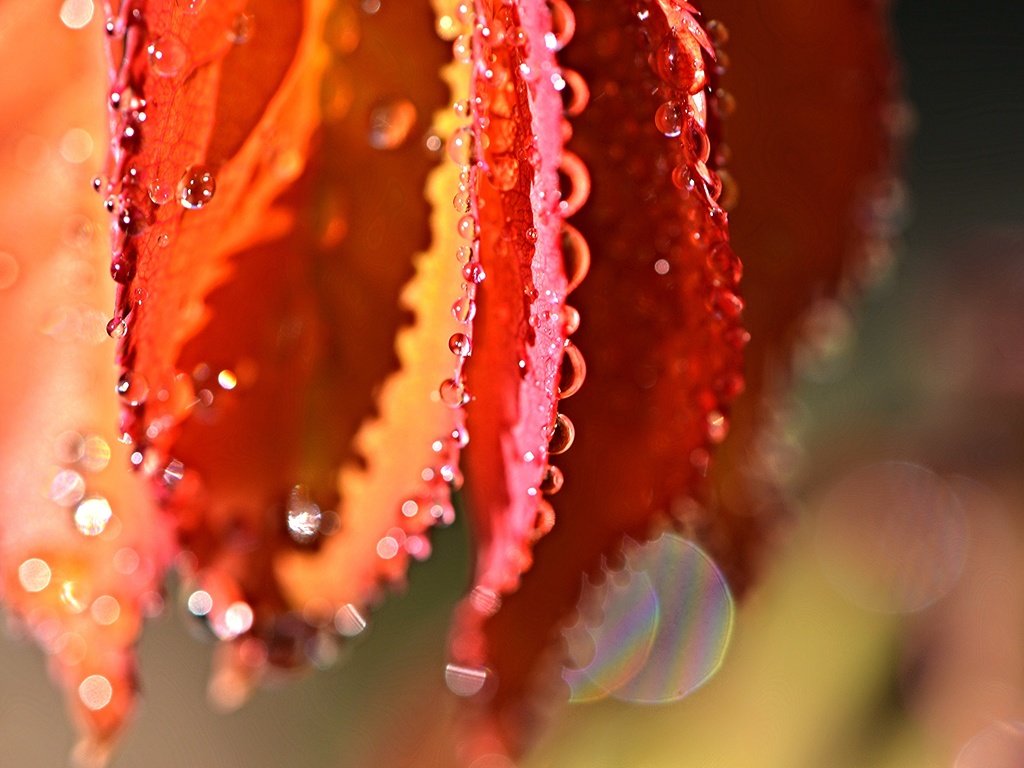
{"x":464,"y":309}
{"x":562,"y":436}
{"x":460,"y":345}
{"x":460,"y":146}
{"x":575,"y":256}
{"x":574,"y":371}
{"x":391,"y":121}
{"x":133,"y":388}
{"x":92,"y":516}
{"x":473,"y":271}
{"x":670,"y":118}
{"x":453,"y":393}
{"x":196,"y":187}
{"x":168,"y":56}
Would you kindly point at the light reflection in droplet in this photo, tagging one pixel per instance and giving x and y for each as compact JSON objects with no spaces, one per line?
{"x":304,"y":517}
{"x":200,"y":603}
{"x":348,"y":621}
{"x":34,"y":575}
{"x":666,"y":625}
{"x":92,"y":516}
{"x":465,"y":681}
{"x":95,"y":692}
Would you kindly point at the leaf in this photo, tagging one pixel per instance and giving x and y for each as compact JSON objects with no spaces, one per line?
{"x":82,"y":550}
{"x":659,"y":310}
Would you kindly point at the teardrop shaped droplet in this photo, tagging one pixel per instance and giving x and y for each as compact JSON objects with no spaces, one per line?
{"x":575,"y":256}
{"x":453,"y":393}
{"x":460,"y":345}
{"x":574,"y":371}
{"x":196,"y":187}
{"x":563,"y":435}
{"x":133,"y":388}
{"x":670,"y":118}
{"x":464,"y":309}
{"x":552,"y":481}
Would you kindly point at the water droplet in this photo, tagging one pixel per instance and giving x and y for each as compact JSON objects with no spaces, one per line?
{"x":446,"y":27}
{"x":304,"y":517}
{"x":562,"y":436}
{"x":679,"y":67}
{"x":461,"y":146}
{"x":34,"y":575}
{"x":105,"y":610}
{"x":391,"y":122}
{"x":670,"y":118}
{"x":465,"y":681}
{"x":190,"y":6}
{"x":160,"y":191}
{"x":571,"y":319}
{"x":196,"y":187}
{"x":575,"y":256}
{"x":75,"y":14}
{"x":133,"y":388}
{"x":67,"y":488}
{"x":200,"y":603}
{"x":460,"y":345}
{"x":453,"y":393}
{"x":577,"y":182}
{"x":576,"y":94}
{"x":92,"y":516}
{"x":227,"y":379}
{"x":464,"y":309}
{"x":473,"y":271}
{"x":462,"y":203}
{"x":461,"y":436}
{"x":349,"y":621}
{"x":718,"y":426}
{"x":574,"y":371}
{"x":167,"y":56}
{"x":241,"y":29}
{"x":387,"y":548}
{"x":563,"y":23}
{"x":718,"y":32}
{"x":462,"y":48}
{"x":552,"y":481}
{"x":468,"y":228}
{"x":95,"y":692}
{"x":544,"y":521}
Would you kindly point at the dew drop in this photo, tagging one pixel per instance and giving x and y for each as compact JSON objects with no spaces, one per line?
{"x":160,"y":192}
{"x":196,"y":187}
{"x":670,"y":118}
{"x":453,"y":393}
{"x":200,"y":603}
{"x":571,"y":319}
{"x":167,"y":56}
{"x":576,"y":94}
{"x":563,"y":435}
{"x":563,"y":23}
{"x":465,"y":681}
{"x":545,"y":519}
{"x":304,"y":517}
{"x":92,"y":516}
{"x":575,"y":255}
{"x":34,"y":575}
{"x":462,"y":48}
{"x":577,"y":178}
{"x":133,"y":388}
{"x":95,"y":692}
{"x":75,"y":14}
{"x":468,"y":229}
{"x":460,"y":146}
{"x":574,"y":371}
{"x":391,"y":122}
{"x":473,"y":271}
{"x":460,"y":345}
{"x":117,"y":328}
{"x":464,"y":309}
{"x":552,"y":481}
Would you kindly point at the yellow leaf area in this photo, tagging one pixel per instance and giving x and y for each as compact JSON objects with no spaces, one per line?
{"x":410,"y":454}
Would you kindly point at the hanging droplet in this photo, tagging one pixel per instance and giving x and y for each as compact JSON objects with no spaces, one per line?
{"x":473,"y":271}
{"x":304,"y":517}
{"x":160,"y":191}
{"x":92,"y":515}
{"x":677,"y":66}
{"x":570,"y":319}
{"x":460,"y":146}
{"x":670,"y":118}
{"x":168,"y":56}
{"x":563,"y":435}
{"x":464,"y":309}
{"x":552,"y":481}
{"x":453,"y":393}
{"x":391,"y":122}
{"x":117,"y":327}
{"x":196,"y":187}
{"x":577,"y":184}
{"x":576,"y":94}
{"x":563,"y":24}
{"x":133,"y":388}
{"x":574,"y":371}
{"x":468,"y":227}
{"x":575,"y":255}
{"x":460,"y":345}
{"x":544,"y":521}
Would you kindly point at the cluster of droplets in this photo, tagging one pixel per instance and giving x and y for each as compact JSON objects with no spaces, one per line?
{"x":140,"y":56}
{"x":687,"y":62}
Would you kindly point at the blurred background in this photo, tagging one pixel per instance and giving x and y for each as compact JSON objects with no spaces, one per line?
{"x":889,"y":629}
